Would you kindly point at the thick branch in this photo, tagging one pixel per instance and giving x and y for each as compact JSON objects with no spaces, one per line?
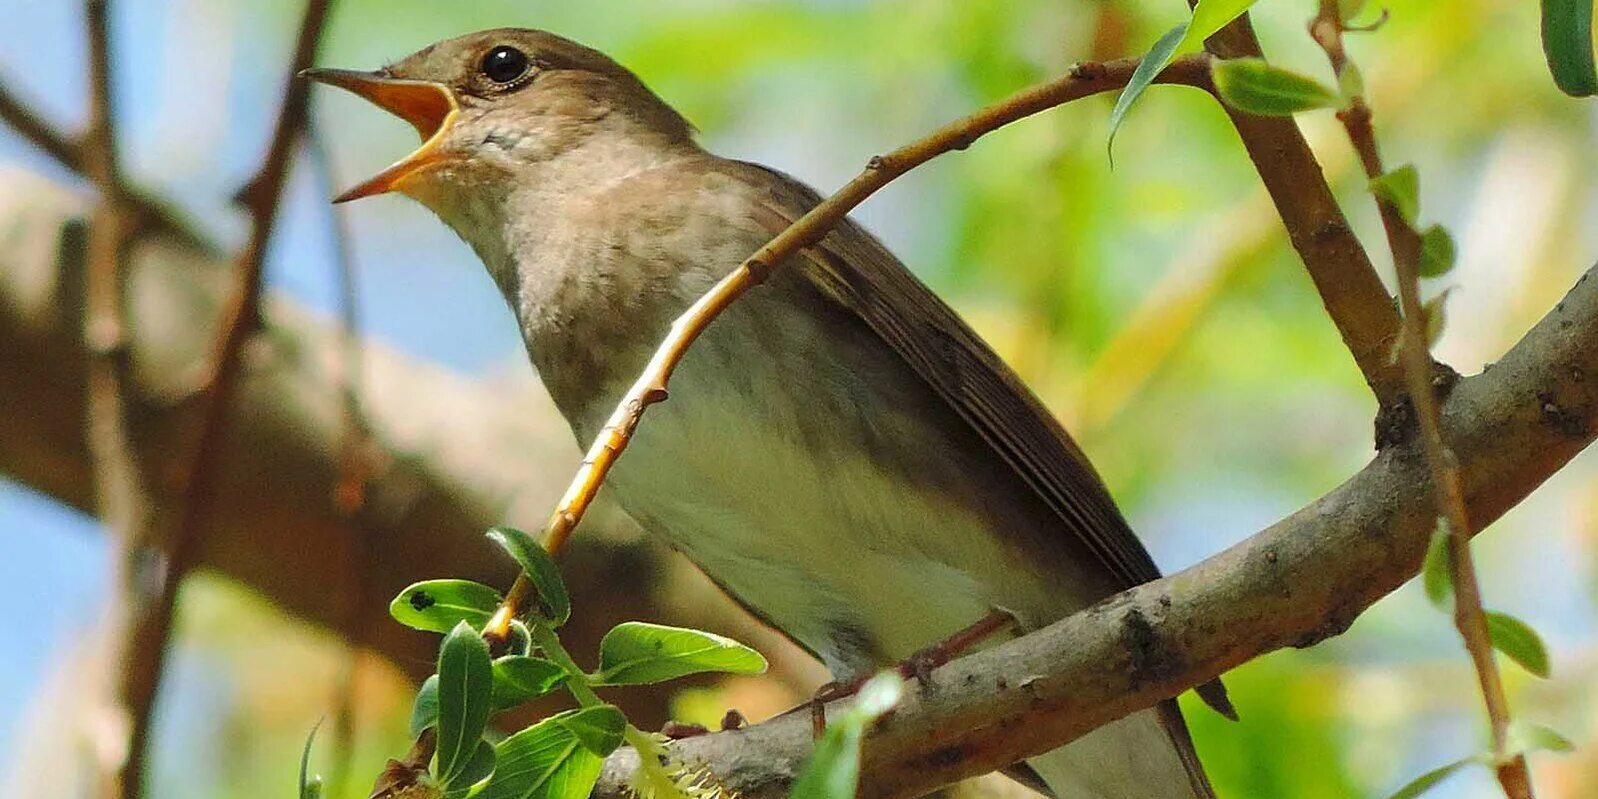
{"x":1294,"y":584}
{"x":1339,"y":266}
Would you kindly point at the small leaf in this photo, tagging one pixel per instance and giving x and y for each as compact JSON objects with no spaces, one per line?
{"x":1147,"y":70}
{"x":1437,"y":575}
{"x":1347,"y":10}
{"x":834,"y":768}
{"x":557,"y":758}
{"x":1253,"y":86}
{"x":310,"y":786}
{"x":1210,"y":16}
{"x":554,"y":602}
{"x":1350,"y":82}
{"x":519,"y":679}
{"x":521,"y":639}
{"x":1399,"y":188}
{"x":465,"y":697}
{"x":1436,"y":252}
{"x":438,"y":605}
{"x":636,"y":652}
{"x":1519,"y":641}
{"x":424,"y":712}
{"x":1525,"y":736}
{"x":1568,"y":45}
{"x":477,"y":771}
{"x":1427,"y":781}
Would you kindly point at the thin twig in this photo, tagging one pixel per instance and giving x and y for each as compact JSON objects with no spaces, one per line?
{"x":1327,"y":28}
{"x":1083,"y":80}
{"x":122,"y":494}
{"x":148,"y":638}
{"x":140,"y":211}
{"x":1349,"y":287}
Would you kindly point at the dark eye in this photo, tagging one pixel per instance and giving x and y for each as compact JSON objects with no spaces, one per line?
{"x":504,"y":64}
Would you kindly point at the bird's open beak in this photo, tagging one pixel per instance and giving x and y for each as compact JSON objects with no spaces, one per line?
{"x":429,"y":107}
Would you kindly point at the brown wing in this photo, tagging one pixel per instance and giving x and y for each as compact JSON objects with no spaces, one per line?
{"x":851,"y":266}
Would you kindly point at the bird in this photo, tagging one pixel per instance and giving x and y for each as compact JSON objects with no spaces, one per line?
{"x":841,"y":453}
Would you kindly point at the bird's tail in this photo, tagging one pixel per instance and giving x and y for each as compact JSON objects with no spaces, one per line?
{"x":1147,"y":755}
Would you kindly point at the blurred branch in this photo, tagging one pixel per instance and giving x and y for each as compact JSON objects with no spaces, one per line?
{"x":21,"y":117}
{"x":146,"y":638}
{"x":1083,"y":80}
{"x":1327,"y":28}
{"x":1339,"y":266}
{"x":461,"y":454}
{"x":122,"y":496}
{"x":1294,"y":584}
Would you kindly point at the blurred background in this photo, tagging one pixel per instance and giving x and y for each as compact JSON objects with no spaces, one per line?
{"x":1156,"y":308}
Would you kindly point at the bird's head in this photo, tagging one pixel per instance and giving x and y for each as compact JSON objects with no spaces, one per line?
{"x":502,"y":104}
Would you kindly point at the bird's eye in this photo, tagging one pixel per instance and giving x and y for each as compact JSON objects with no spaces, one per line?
{"x":504,"y":64}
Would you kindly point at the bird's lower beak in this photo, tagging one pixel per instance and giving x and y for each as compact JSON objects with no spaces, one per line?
{"x":429,"y":107}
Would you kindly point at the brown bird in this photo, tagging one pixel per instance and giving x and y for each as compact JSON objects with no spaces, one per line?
{"x":841,"y":452}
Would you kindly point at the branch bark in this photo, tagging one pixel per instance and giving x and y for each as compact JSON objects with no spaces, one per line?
{"x":1293,"y":584}
{"x":1349,"y":287}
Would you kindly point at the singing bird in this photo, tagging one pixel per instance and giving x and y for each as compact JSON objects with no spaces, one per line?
{"x":841,"y":453}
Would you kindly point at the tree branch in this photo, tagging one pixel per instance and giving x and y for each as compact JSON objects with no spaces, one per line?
{"x":1470,"y":618}
{"x":1302,"y":580}
{"x":1083,"y":80}
{"x":1349,"y":287}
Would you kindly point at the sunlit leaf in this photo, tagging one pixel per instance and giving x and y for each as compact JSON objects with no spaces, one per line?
{"x":1147,"y":70}
{"x":1350,"y":82}
{"x":1427,"y":781}
{"x":1401,"y":189}
{"x":1210,"y":16}
{"x":554,"y":603}
{"x":438,"y":605}
{"x":1568,"y":45}
{"x":1437,"y":575}
{"x":557,"y":758}
{"x":1519,"y":641}
{"x":637,"y":652}
{"x":1253,"y":86}
{"x":834,"y":767}
{"x":519,"y":679}
{"x":1434,"y":313}
{"x":1436,"y":252}
{"x":465,"y":698}
{"x":1525,"y":736}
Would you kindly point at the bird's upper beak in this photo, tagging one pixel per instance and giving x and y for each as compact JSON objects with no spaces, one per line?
{"x":429,"y":107}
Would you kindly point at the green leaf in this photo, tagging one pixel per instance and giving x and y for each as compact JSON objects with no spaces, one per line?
{"x":636,"y":652}
{"x":1210,"y":16}
{"x":1519,"y":641}
{"x":1568,"y":45}
{"x":424,"y":712}
{"x":1437,"y":575}
{"x":554,"y":603}
{"x":1525,"y":736}
{"x":1401,"y":189}
{"x":1427,"y":781}
{"x":1147,"y":70}
{"x":519,"y":679}
{"x":310,"y":786}
{"x":1347,"y":10}
{"x":477,"y":771}
{"x":520,"y":641}
{"x":465,"y":697}
{"x":557,"y":758}
{"x":1253,"y":86}
{"x":438,"y":605}
{"x":834,"y":768}
{"x":1436,"y":252}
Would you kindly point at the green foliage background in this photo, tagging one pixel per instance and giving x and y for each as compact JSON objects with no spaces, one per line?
{"x":1156,"y":308}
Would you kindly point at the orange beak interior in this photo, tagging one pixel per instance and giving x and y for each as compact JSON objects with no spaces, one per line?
{"x":429,"y":107}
